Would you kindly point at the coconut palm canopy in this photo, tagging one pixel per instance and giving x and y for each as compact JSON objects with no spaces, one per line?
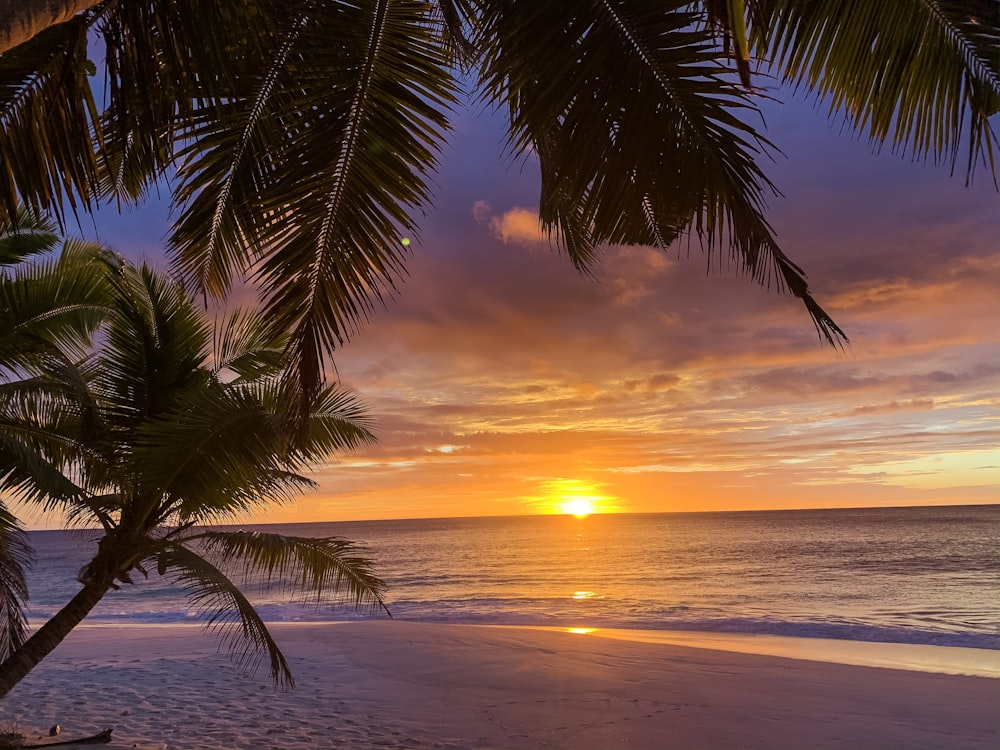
{"x":173,"y":422}
{"x":300,"y":136}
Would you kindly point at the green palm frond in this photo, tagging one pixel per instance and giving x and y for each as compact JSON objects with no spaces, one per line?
{"x":318,"y":168}
{"x":326,"y":571}
{"x":226,"y":450}
{"x":224,"y":608}
{"x":161,"y":67}
{"x":156,"y":344}
{"x":641,"y":151}
{"x":47,"y":122}
{"x":46,"y":436}
{"x":15,"y":558}
{"x":923,"y":75}
{"x":337,"y":421}
{"x":248,"y":345}
{"x":51,"y":309}
{"x":25,"y":235}
{"x":217,"y":455}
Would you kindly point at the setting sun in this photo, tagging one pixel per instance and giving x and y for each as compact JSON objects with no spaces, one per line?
{"x":577,"y":506}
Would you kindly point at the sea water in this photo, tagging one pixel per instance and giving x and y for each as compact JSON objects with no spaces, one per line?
{"x":906,"y":575}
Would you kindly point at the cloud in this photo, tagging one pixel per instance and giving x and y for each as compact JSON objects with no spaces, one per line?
{"x":518,"y":225}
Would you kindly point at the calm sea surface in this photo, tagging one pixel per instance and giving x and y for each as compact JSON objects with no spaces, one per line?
{"x":908,"y":575}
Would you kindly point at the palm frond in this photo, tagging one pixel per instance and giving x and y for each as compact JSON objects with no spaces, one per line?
{"x":51,"y":309}
{"x":923,"y":75}
{"x":326,"y":571}
{"x":224,"y":608}
{"x":334,"y":145}
{"x":44,"y":426}
{"x":161,"y":65}
{"x":24,"y":234}
{"x":248,"y":345}
{"x":16,"y":557}
{"x":156,"y":345}
{"x":47,"y":122}
{"x":226,"y":450}
{"x":644,"y":150}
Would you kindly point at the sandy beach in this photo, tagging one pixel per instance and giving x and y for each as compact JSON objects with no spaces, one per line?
{"x":456,"y":687}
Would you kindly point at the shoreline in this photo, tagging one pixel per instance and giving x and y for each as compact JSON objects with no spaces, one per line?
{"x":419,"y":686}
{"x":917,"y":657}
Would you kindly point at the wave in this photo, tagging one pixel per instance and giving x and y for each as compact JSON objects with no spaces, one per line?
{"x":680,"y":619}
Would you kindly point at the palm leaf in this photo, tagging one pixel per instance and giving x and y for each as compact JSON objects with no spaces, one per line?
{"x":47,"y":122}
{"x":332,"y":147}
{"x":641,"y":151}
{"x":923,"y":75}
{"x":16,"y":557}
{"x":156,"y":342}
{"x":25,"y":235}
{"x":247,"y":345}
{"x":162,"y":65}
{"x":224,"y":608}
{"x":217,"y":455}
{"x":226,"y":450}
{"x":326,"y":571}
{"x":50,"y":310}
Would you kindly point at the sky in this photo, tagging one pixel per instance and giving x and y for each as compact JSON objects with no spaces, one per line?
{"x":504,"y":382}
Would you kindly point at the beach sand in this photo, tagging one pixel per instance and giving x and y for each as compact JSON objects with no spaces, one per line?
{"x":419,"y":686}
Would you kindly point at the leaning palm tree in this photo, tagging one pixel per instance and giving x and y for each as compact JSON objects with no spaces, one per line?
{"x":171,"y":425}
{"x":300,"y":134}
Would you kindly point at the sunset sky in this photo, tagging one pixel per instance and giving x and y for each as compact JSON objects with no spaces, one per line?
{"x":504,"y":382}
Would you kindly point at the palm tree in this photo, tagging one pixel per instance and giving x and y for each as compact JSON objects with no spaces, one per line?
{"x":300,"y":134}
{"x":171,"y":424}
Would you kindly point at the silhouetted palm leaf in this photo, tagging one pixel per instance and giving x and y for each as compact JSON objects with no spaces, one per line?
{"x":26,"y":235}
{"x":47,"y":116}
{"x":922,"y":75}
{"x":50,"y":309}
{"x":325,"y":571}
{"x":224,"y":608}
{"x":15,"y":558}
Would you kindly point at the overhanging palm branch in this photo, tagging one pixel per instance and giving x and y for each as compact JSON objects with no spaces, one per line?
{"x":923,"y":75}
{"x":47,"y":119}
{"x":15,"y":558}
{"x":323,"y":571}
{"x":642,"y":151}
{"x":302,"y":160}
{"x":224,"y":608}
{"x":318,"y":169}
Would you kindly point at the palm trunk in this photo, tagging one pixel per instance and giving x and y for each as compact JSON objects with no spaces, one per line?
{"x":20,"y":20}
{"x":47,"y":637}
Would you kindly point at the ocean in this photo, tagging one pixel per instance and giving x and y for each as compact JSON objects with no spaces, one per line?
{"x":906,"y":575}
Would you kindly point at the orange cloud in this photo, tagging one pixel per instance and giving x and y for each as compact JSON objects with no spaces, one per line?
{"x":518,"y":225}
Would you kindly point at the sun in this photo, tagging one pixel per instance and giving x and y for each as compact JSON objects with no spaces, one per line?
{"x":580,"y":507}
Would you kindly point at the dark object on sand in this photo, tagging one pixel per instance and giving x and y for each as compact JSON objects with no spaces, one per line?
{"x":98,"y":739}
